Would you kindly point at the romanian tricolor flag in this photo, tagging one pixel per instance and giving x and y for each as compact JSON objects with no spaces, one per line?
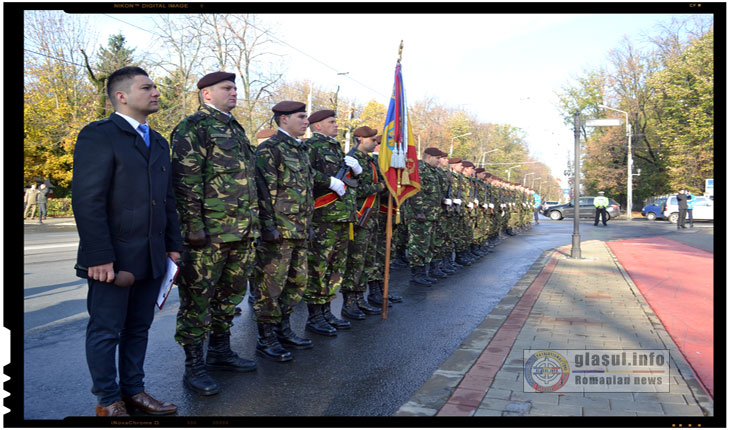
{"x":397,"y":159}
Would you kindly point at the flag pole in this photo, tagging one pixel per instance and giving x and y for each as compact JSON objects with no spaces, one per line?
{"x":388,"y":236}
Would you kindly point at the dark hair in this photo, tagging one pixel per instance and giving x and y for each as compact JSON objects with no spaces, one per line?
{"x":119,"y":78}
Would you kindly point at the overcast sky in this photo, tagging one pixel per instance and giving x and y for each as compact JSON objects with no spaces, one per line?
{"x":503,"y":68}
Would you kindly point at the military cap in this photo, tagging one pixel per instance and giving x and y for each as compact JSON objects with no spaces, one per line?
{"x":454,"y":160}
{"x":467,"y":163}
{"x":320,"y":115}
{"x":288,"y":107}
{"x":479,"y":170}
{"x":434,"y":152}
{"x":265,"y":133}
{"x":600,"y":192}
{"x":365,"y":131}
{"x":214,"y":78}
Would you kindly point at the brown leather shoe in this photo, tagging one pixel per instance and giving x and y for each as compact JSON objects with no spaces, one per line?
{"x":116,"y":409}
{"x":149,"y":404}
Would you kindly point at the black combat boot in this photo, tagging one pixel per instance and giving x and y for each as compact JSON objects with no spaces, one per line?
{"x":195,"y":377}
{"x":445,"y":266}
{"x":400,"y":260}
{"x":375,"y":294}
{"x":221,"y":357}
{"x":287,"y":336}
{"x":453,"y":265}
{"x":427,"y":275}
{"x":268,"y":345}
{"x":364,"y":305}
{"x":392,"y":298}
{"x":462,"y":259}
{"x":418,"y":276}
{"x":434,"y":270}
{"x":476,"y":251}
{"x":350,"y":308}
{"x":316,"y":322}
{"x":335,"y":322}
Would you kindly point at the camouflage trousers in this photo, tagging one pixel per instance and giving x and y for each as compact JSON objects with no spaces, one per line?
{"x":445,"y":229}
{"x":465,"y":230}
{"x":357,"y":255}
{"x":420,"y":236}
{"x":400,"y":235}
{"x":326,"y":260}
{"x":438,"y":240}
{"x":281,"y":279}
{"x":375,"y":267}
{"x":211,"y":282}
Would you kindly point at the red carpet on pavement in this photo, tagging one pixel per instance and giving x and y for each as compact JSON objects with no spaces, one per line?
{"x":676,"y":280}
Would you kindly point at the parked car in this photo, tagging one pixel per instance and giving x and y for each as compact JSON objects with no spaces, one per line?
{"x":547,"y":204}
{"x":655,"y":210}
{"x":587,"y":210}
{"x":703,"y":209}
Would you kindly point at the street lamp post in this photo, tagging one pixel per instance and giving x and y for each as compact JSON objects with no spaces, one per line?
{"x":533,"y":181}
{"x":524,"y":179}
{"x":575,"y":250}
{"x":484,"y":155}
{"x":451,"y":150}
{"x":540,"y":190}
{"x":629,"y":161}
{"x":509,"y":171}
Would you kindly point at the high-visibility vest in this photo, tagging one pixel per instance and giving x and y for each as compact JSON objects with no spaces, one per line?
{"x":600,"y":202}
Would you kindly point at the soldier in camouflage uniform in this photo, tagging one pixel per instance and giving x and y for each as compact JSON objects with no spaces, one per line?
{"x":215,"y":192}
{"x":460,"y":189}
{"x":448,"y":214}
{"x":422,"y":214}
{"x":334,"y":215}
{"x":285,"y":182}
{"x":368,"y":187}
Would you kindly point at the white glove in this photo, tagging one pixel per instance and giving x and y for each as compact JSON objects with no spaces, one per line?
{"x":457,"y":201}
{"x":502,"y":205}
{"x":470,"y":205}
{"x":476,"y":201}
{"x":337,"y":186}
{"x":353,"y":164}
{"x":491,"y":206}
{"x":485,"y":206}
{"x":502,"y":213}
{"x":448,"y":202}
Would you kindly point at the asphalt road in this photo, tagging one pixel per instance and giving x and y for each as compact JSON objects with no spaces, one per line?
{"x":370,"y":370}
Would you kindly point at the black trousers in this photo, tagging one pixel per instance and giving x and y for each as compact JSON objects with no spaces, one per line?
{"x":682,"y":217}
{"x":600,"y":212}
{"x":118,"y":317}
{"x":691,"y":220}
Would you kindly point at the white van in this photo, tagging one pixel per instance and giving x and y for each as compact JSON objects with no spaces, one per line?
{"x":702,"y":210}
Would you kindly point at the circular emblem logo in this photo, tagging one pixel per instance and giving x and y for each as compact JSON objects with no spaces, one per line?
{"x":546,"y":371}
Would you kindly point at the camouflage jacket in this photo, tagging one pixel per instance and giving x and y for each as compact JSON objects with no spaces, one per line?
{"x":428,"y":200}
{"x":285,"y":182}
{"x":213,"y":177}
{"x":367,"y":181}
{"x":326,"y":157}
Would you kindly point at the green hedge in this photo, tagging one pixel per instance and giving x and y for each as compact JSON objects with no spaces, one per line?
{"x":59,"y":207}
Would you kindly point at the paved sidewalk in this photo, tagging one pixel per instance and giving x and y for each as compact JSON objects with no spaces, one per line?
{"x":561,"y":303}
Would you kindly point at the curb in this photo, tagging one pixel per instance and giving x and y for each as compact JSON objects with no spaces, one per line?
{"x":695,"y":386}
{"x":439,"y":388}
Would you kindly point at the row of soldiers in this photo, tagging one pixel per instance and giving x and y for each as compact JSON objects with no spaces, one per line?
{"x":301,"y":220}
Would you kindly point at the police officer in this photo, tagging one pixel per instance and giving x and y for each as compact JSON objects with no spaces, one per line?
{"x":600,"y":203}
{"x":285,"y":181}
{"x":215,"y":191}
{"x":334,"y":215}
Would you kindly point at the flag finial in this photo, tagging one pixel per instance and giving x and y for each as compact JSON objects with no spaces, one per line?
{"x":400,"y":51}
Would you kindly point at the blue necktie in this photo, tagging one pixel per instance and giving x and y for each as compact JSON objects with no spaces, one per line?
{"x":146,"y":132}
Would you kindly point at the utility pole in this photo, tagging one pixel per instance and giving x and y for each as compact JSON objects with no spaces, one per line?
{"x":575,"y":251}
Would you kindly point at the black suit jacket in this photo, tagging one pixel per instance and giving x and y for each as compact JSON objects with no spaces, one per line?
{"x":682,"y":200}
{"x":123,"y":200}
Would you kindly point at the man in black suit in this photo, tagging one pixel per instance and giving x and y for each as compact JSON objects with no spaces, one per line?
{"x":124,"y":207}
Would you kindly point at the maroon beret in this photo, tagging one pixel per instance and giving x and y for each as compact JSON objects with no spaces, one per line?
{"x":479,"y":170}
{"x":265,"y":133}
{"x":454,"y":160}
{"x":214,"y":78}
{"x":288,"y":107}
{"x":365,"y":131}
{"x":434,"y":152}
{"x":320,"y":115}
{"x":467,"y":163}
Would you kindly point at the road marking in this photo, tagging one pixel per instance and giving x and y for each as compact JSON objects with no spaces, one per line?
{"x":57,"y":245}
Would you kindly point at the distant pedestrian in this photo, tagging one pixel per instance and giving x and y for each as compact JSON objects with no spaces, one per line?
{"x":31,"y":201}
{"x":538,"y":200}
{"x":691,"y":199}
{"x":600,"y":202}
{"x":682,"y":202}
{"x":42,"y":200}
